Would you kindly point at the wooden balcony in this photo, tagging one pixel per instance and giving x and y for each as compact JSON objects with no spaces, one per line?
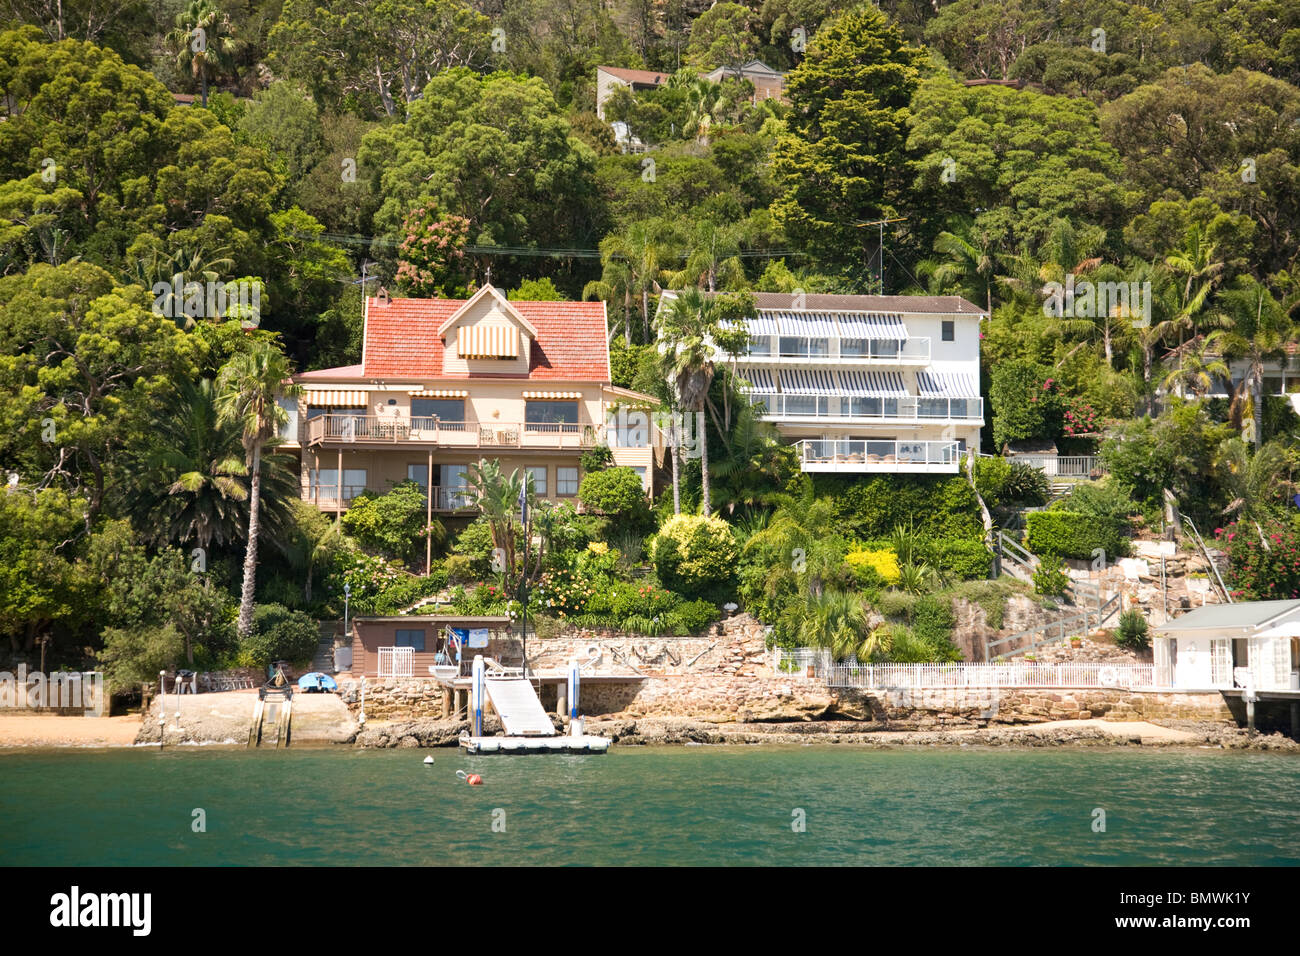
{"x":376,"y":430}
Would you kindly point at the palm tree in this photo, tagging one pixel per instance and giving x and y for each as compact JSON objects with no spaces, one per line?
{"x":309,"y":542}
{"x":1196,"y":268}
{"x":705,"y":105}
{"x":687,"y":331}
{"x":841,"y":622}
{"x":1258,"y":331}
{"x":712,"y":257}
{"x":1197,"y":369}
{"x":498,"y":501}
{"x":247,"y":389}
{"x":750,"y":472}
{"x":633,"y":260}
{"x":1257,"y":483}
{"x":968,"y":266}
{"x":202,"y":40}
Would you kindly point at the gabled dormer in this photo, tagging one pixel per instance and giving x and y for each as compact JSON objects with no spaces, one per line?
{"x":487,"y":335}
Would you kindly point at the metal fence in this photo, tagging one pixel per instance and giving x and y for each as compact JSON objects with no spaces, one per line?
{"x":395,"y":661}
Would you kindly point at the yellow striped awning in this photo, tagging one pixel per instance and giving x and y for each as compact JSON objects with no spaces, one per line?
{"x":487,"y":341}
{"x":339,"y":397}
{"x":553,"y":396}
{"x":440,"y":393}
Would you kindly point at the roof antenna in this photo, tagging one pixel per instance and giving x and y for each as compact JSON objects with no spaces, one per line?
{"x":881,"y":252}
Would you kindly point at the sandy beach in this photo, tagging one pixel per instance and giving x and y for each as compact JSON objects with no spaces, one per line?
{"x":41,"y":730}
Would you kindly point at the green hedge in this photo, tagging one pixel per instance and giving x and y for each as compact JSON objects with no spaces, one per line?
{"x":1072,"y":535}
{"x":959,"y":559}
{"x":870,"y":508}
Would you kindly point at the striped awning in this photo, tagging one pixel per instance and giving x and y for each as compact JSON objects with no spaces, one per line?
{"x":763,"y":324}
{"x":552,"y":396}
{"x":808,"y":381}
{"x":440,"y":393}
{"x":947,"y":385}
{"x":487,"y":340}
{"x":872,"y":326}
{"x":872,"y":384}
{"x":339,"y":397}
{"x":810,"y":324}
{"x":760,"y":380}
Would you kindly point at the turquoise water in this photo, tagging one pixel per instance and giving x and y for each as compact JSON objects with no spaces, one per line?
{"x":690,"y":805}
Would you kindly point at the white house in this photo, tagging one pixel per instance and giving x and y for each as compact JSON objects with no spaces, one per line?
{"x":868,"y":383}
{"x":1216,"y":646}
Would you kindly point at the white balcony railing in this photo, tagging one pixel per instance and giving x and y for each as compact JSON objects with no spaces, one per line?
{"x":864,"y":455}
{"x":370,"y":429}
{"x":908,"y":408}
{"x":842,"y":351}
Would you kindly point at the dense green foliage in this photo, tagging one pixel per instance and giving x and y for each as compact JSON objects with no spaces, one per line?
{"x":1071,"y":534}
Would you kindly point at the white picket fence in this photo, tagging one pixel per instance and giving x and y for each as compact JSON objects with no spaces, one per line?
{"x":923,"y":676}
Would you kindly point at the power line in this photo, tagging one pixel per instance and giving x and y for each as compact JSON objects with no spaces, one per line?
{"x":538,"y":251}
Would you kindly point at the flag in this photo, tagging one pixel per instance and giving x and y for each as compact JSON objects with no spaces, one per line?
{"x":523,"y":499}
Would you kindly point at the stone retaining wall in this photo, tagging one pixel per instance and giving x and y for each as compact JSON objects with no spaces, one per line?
{"x":943,"y":707}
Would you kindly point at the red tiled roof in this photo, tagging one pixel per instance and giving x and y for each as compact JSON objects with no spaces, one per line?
{"x":401,"y":340}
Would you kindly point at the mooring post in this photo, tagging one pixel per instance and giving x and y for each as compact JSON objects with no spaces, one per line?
{"x":1295,"y":719}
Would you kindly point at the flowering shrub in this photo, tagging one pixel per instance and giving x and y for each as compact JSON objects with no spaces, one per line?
{"x":366,"y":575}
{"x":694,"y":554}
{"x":560,"y":593}
{"x":479,"y":599}
{"x":1080,"y":418}
{"x":883,"y":563}
{"x":1258,"y":574}
{"x":432,"y":253}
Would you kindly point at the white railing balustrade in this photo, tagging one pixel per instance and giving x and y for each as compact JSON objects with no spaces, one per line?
{"x":907,"y":408}
{"x":863,"y":454}
{"x":926,"y":676}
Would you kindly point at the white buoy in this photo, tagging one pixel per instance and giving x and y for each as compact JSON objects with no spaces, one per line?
{"x":428,"y":761}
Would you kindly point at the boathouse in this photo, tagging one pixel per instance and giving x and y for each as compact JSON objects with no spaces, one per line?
{"x":1222,"y":646}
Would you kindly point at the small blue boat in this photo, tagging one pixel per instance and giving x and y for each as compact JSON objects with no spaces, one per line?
{"x":317,"y":683}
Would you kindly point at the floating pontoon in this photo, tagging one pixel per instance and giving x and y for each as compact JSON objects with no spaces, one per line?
{"x":528,"y":728}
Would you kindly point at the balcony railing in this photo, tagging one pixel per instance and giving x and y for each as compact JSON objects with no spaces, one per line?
{"x":872,"y":351}
{"x":445,"y":498}
{"x":1064,"y":466}
{"x":370,"y":429}
{"x":860,"y":455}
{"x":908,"y":408}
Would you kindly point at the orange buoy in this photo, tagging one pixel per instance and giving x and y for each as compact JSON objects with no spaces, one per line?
{"x":474,"y":780}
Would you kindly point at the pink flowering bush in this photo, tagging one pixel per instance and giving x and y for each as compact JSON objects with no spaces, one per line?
{"x":1256,"y":573}
{"x":431,"y":257}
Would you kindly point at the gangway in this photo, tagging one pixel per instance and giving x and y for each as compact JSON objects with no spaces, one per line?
{"x":274,"y":706}
{"x":519,"y":707}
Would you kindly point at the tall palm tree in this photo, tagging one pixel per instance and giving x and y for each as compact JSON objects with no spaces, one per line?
{"x":498,"y":501}
{"x":688,"y":327}
{"x":203,"y":42}
{"x":1196,"y":267}
{"x":247,"y":389}
{"x":1258,"y":331}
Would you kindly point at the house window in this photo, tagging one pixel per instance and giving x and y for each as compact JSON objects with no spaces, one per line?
{"x":538,"y":473}
{"x":454,"y":487}
{"x":566,"y":481}
{"x":948,"y":330}
{"x":853,"y":348}
{"x":418,"y":474}
{"x":443,"y":409}
{"x":327,"y":480}
{"x":549,"y":414}
{"x":414,"y":639}
{"x":760,"y":345}
{"x":807,"y":405}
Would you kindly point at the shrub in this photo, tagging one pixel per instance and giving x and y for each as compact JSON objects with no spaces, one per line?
{"x":695,"y":555}
{"x":960,"y":559}
{"x":932,"y":620}
{"x":991,"y":476}
{"x":407,"y":591}
{"x":1025,"y":485}
{"x":280,"y":634}
{"x":692,"y":617}
{"x":1050,"y":577}
{"x":1256,"y":573}
{"x":641,"y":602}
{"x":1132,"y":632}
{"x":459,"y":569}
{"x":475,"y":543}
{"x":392,"y":524}
{"x":882,"y":564}
{"x":1103,"y":499}
{"x":617,"y":494}
{"x":1025,"y":400}
{"x":1072,"y":535}
{"x":596,"y":458}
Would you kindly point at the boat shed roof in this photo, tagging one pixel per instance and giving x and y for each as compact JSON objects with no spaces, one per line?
{"x":1247,"y":615}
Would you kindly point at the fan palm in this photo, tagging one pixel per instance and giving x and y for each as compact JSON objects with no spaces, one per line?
{"x":203,"y":42}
